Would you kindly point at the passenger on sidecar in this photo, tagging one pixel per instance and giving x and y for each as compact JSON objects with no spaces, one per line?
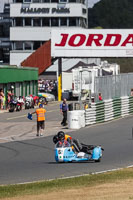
{"x":65,"y":153}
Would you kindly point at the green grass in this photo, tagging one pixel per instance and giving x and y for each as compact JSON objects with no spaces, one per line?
{"x":48,"y":186}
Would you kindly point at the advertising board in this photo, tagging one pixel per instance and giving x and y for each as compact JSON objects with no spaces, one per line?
{"x":92,"y":42}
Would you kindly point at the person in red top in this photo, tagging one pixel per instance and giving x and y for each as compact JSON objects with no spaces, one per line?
{"x":100,"y":97}
{"x":40,"y":112}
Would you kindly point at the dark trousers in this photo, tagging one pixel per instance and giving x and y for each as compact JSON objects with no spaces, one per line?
{"x":64,"y":118}
{"x":40,"y":125}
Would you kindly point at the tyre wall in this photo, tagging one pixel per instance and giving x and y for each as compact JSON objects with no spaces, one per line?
{"x":108,"y":110}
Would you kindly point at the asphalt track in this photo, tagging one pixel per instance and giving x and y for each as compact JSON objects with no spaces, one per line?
{"x":33,"y":160}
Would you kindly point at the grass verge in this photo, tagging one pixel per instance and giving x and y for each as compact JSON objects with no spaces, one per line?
{"x":59,"y":184}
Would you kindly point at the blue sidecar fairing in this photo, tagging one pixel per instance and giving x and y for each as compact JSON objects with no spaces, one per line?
{"x":66,"y":154}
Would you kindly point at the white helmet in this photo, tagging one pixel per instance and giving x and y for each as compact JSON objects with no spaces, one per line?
{"x":12,"y":87}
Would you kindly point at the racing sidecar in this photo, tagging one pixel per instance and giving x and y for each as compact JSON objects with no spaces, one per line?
{"x":65,"y":153}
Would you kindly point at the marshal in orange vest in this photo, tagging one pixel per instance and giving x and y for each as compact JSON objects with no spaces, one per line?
{"x":40,"y":112}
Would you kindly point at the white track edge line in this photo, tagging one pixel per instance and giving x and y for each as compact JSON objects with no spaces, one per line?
{"x":63,"y":178}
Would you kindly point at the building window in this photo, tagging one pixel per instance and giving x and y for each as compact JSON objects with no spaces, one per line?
{"x":54,"y":1}
{"x":27,"y":1}
{"x":78,"y":22}
{"x":72,"y":1}
{"x":54,"y":21}
{"x":63,"y":21}
{"x":45,"y":1}
{"x":63,"y":1}
{"x":17,"y":1}
{"x":83,"y":23}
{"x":1,"y":30}
{"x":83,"y":1}
{"x":36,"y":22}
{"x":13,"y":22}
{"x":27,"y":45}
{"x":18,"y":45}
{"x":84,"y":11}
{"x":27,"y":21}
{"x":19,"y":21}
{"x":72,"y":21}
{"x":36,"y":45}
{"x":36,"y":1}
{"x":42,"y":42}
{"x":45,"y":21}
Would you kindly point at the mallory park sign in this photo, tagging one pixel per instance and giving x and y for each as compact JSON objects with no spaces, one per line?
{"x":92,"y":43}
{"x":44,"y":10}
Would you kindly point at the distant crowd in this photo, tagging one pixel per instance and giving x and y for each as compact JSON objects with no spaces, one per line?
{"x":46,"y":86}
{"x":49,"y":86}
{"x":4,"y":100}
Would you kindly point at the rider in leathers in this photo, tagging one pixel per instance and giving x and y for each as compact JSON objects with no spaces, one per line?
{"x":73,"y":142}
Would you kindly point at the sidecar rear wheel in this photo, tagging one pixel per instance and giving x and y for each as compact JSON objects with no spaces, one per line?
{"x":99,"y":160}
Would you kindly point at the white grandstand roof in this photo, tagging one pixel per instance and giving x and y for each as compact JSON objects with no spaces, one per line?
{"x":69,"y":63}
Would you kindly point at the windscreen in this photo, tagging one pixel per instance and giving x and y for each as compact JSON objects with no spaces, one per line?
{"x":62,"y":144}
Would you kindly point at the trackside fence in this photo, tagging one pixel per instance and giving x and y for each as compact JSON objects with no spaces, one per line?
{"x":109,"y":110}
{"x":115,"y":86}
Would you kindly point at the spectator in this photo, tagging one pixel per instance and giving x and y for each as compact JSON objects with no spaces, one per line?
{"x":63,"y":110}
{"x":1,"y":98}
{"x":9,"y":97}
{"x":100,"y":97}
{"x":92,"y":99}
{"x":132,"y":92}
{"x":86,"y":106}
{"x":49,"y":86}
{"x":36,"y":100}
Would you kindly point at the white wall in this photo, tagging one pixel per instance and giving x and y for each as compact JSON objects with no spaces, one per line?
{"x":17,"y":57}
{"x":66,"y":81}
{"x":75,"y":10}
{"x":29,"y":34}
{"x":33,"y":33}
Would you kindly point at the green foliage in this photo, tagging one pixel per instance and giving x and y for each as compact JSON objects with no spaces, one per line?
{"x":126,"y":64}
{"x":111,"y":14}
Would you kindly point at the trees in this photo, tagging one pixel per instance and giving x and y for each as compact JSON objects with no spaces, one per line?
{"x":111,"y":14}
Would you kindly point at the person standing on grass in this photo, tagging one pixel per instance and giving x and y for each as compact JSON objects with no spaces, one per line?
{"x":40,"y":112}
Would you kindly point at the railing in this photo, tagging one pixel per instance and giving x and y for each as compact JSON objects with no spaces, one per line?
{"x":114,"y":86}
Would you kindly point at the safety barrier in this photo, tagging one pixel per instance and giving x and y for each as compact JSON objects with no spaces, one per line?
{"x":109,"y":110}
